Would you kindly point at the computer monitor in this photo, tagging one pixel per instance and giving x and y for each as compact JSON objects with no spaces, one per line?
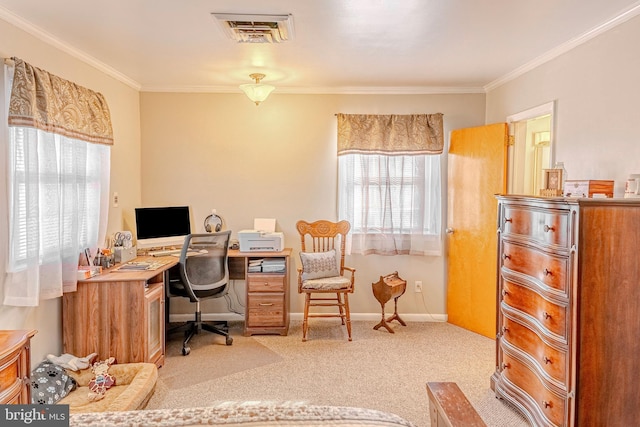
{"x":162,"y":226}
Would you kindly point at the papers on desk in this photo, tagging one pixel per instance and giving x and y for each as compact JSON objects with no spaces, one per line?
{"x":141,"y":265}
{"x":266,"y":265}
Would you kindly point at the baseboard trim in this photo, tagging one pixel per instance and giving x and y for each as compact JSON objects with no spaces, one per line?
{"x":213,"y":317}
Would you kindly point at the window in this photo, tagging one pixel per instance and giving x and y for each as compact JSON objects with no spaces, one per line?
{"x":56,"y":181}
{"x":390,"y":196}
{"x":55,"y":187}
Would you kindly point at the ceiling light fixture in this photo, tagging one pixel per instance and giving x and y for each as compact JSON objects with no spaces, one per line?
{"x":257,"y":92}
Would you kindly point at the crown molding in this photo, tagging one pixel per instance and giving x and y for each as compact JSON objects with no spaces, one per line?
{"x":416,"y":90}
{"x":627,"y":14}
{"x":39,"y":33}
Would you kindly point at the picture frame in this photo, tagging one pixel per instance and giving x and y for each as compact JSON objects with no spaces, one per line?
{"x":552,"y":183}
{"x":553,"y":179}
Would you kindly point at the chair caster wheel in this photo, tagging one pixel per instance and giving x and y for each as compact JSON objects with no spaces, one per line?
{"x":186,"y":350}
{"x":229,"y":340}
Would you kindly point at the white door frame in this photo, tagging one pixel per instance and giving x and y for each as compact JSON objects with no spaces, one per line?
{"x":532,"y":113}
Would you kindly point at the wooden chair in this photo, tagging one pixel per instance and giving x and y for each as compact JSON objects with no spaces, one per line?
{"x":322,"y":243}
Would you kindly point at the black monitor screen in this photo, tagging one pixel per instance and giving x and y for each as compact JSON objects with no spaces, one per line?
{"x":158,"y":222}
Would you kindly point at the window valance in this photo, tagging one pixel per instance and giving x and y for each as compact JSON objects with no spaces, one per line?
{"x":390,"y":134}
{"x":47,"y":102}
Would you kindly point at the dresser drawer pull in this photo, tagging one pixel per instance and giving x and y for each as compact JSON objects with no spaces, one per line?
{"x":546,"y":315}
{"x":547,"y":229}
{"x":505,"y":366}
{"x":505,"y":329}
{"x":547,"y":360}
{"x":547,"y":404}
{"x":265,"y":304}
{"x":508,"y":220}
{"x":547,"y":272}
{"x":504,"y":293}
{"x":506,"y":256}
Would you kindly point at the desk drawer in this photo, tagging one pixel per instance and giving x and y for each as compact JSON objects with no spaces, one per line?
{"x":265,"y":310}
{"x":265,"y":282}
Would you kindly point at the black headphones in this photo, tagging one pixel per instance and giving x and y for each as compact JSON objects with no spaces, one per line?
{"x":213,"y":223}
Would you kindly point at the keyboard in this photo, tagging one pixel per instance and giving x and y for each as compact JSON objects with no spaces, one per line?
{"x":165,"y":252}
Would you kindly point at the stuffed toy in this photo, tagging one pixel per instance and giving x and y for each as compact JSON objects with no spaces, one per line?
{"x":102,"y":380}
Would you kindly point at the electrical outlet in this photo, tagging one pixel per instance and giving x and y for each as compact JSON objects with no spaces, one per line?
{"x":116,"y":199}
{"x":418,"y":286}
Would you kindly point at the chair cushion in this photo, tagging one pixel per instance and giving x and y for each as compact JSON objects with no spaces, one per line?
{"x":327,"y":284}
{"x":319,"y":265}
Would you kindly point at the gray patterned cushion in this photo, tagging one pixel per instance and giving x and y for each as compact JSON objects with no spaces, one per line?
{"x":319,"y":265}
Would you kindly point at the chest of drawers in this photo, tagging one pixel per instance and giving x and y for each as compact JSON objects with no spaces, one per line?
{"x":15,"y":367}
{"x":569,"y":310}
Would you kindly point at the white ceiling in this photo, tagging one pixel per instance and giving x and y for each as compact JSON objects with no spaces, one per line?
{"x":339,"y":46}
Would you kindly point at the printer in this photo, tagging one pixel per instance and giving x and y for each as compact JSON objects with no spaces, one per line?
{"x":260,"y":241}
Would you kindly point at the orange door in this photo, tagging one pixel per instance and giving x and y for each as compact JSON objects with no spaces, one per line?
{"x":477,"y":171}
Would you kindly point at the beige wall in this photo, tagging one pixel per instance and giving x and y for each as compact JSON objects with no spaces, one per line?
{"x":279,"y":161}
{"x":596,"y":88}
{"x":125,"y":172}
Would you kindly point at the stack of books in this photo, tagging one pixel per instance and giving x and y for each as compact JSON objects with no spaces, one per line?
{"x":255,"y":265}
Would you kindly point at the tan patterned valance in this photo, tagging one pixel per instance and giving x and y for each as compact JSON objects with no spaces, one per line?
{"x":390,"y":134}
{"x":50,"y":103}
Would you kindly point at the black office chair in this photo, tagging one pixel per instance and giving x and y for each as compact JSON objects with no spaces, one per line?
{"x":204,"y":274}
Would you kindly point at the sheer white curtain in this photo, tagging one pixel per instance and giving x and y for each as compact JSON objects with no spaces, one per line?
{"x":57,"y":190}
{"x":58,"y":200}
{"x":392,"y":203}
{"x":389,"y":182}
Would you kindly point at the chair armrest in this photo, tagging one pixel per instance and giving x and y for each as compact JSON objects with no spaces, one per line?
{"x":353,"y":273}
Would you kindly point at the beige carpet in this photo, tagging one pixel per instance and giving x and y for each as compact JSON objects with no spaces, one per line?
{"x":376,"y":370}
{"x":212,"y":358}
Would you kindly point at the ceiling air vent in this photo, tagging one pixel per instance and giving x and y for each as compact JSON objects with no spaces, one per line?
{"x":256,"y":28}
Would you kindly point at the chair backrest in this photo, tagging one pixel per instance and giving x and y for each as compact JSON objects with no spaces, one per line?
{"x":203,"y":261}
{"x":322,"y":236}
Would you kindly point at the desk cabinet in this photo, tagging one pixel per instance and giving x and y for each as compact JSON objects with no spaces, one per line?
{"x":117,"y":314}
{"x":568,"y":322}
{"x":267,"y":297}
{"x":15,"y":367}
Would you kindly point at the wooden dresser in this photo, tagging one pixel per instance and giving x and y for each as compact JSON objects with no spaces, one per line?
{"x":568,"y":326}
{"x":15,"y":367}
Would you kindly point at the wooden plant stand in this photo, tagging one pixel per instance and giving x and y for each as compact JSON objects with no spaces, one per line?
{"x":389,"y":286}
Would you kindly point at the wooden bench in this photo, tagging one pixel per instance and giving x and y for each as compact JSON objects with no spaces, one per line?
{"x":449,"y":407}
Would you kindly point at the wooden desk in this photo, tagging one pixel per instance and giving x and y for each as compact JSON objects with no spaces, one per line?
{"x":118,"y":314}
{"x":15,"y":367}
{"x":122,"y":314}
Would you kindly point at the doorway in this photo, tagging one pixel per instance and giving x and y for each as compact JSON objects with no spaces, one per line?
{"x":530,"y":149}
